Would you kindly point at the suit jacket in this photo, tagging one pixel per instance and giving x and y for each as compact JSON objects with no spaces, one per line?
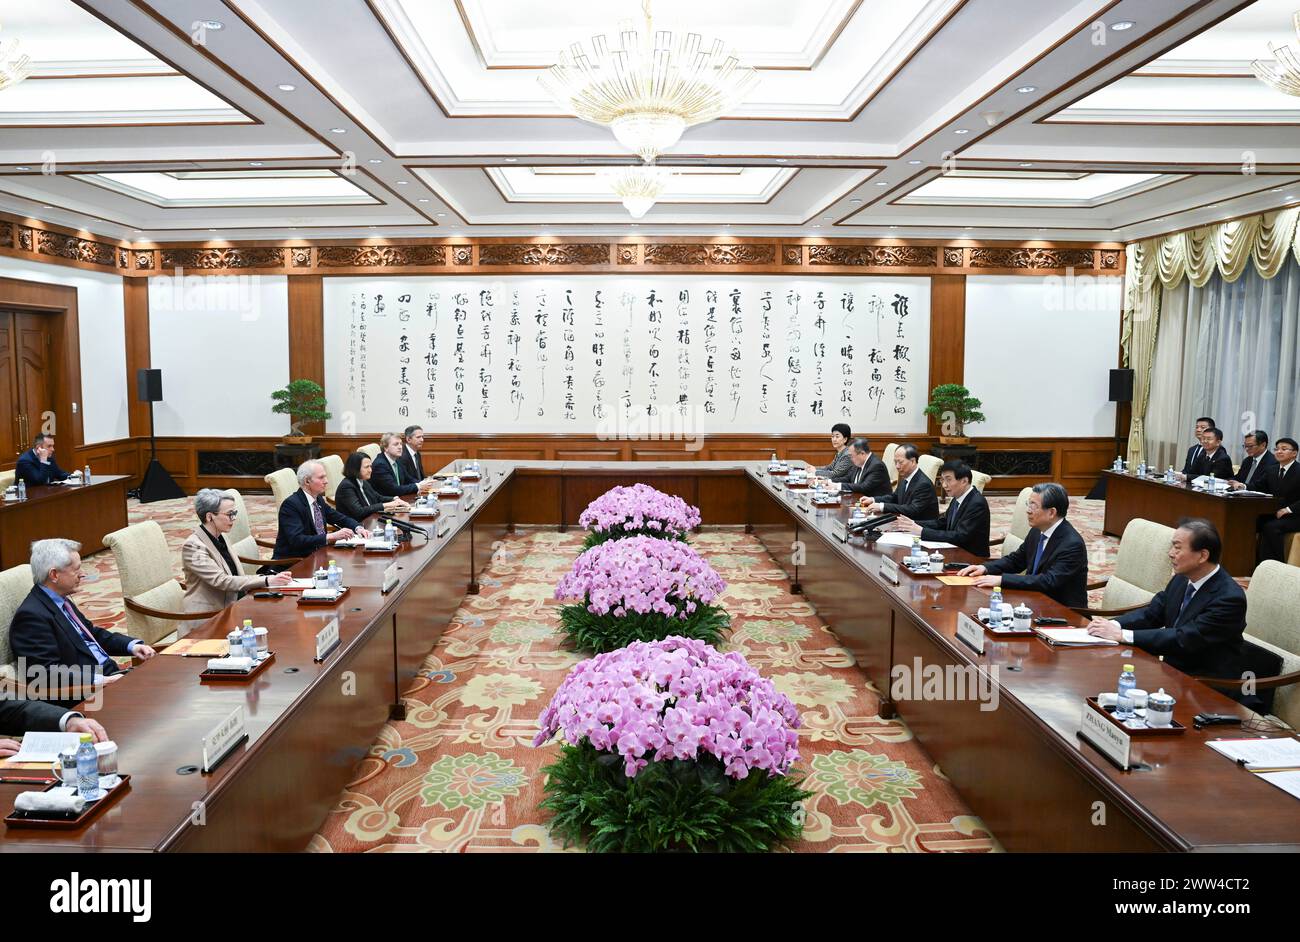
{"x":384,"y":481}
{"x":871,"y":479}
{"x":916,"y":500}
{"x":1192,"y":454}
{"x":1206,"y":640}
{"x":357,"y":499}
{"x":297,"y":535}
{"x":42,"y":634}
{"x":967,"y":526}
{"x":412,"y":465}
{"x":1062,"y":572}
{"x":1286,"y":490}
{"x":1260,"y":482}
{"x":209,"y":584}
{"x":841,"y":469}
{"x":1220,"y":465}
{"x":29,"y":716}
{"x":30,"y":469}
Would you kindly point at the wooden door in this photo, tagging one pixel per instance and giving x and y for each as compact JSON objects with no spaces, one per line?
{"x":11,"y":432}
{"x":26,"y":391}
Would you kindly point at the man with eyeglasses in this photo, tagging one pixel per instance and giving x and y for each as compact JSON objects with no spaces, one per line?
{"x":214,"y":577}
{"x":1284,"y":485}
{"x":1253,"y":473}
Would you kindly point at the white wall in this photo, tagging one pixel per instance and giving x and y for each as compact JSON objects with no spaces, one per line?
{"x":102,"y":331}
{"x":222,"y":343}
{"x":1039,"y":352}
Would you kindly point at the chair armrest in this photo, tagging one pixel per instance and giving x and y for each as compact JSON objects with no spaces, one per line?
{"x":1243,"y":581}
{"x":265,"y":544}
{"x":1099,"y":584}
{"x":135,"y":606}
{"x":998,"y":542}
{"x":1107,"y":612}
{"x":288,"y":561}
{"x":1260,"y":683}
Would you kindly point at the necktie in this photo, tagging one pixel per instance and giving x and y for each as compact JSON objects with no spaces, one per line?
{"x":397,"y":472}
{"x":1038,"y":557}
{"x":861,"y":471}
{"x":317,"y":518}
{"x":952,"y":513}
{"x":1187,"y":597}
{"x":1251,"y":473}
{"x":99,"y":653}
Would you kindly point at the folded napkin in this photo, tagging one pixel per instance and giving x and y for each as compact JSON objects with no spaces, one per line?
{"x":230,"y":663}
{"x":1006,"y":612}
{"x":55,"y":801}
{"x":320,"y":594}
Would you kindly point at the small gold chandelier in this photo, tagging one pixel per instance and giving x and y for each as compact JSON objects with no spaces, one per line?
{"x":650,"y":87}
{"x":1284,"y":72}
{"x":638,"y":187}
{"x":14,"y":64}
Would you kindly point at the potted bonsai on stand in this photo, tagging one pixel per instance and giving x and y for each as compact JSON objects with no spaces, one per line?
{"x":303,"y":401}
{"x":953,"y":407}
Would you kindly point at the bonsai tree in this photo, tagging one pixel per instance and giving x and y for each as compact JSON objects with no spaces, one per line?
{"x":303,"y":401}
{"x":952,"y":407}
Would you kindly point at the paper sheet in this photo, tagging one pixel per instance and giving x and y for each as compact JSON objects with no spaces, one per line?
{"x":957,"y":580}
{"x":1076,"y":637}
{"x":45,"y":747}
{"x":195,"y":647}
{"x":1289,"y":782}
{"x":1283,"y":752}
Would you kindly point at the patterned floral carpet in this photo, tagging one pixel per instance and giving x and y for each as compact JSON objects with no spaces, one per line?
{"x":460,"y":773}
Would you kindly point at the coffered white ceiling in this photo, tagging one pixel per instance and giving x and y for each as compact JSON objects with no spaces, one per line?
{"x":1020,"y":119}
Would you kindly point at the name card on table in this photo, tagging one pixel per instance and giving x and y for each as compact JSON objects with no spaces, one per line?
{"x":222,"y":741}
{"x":469,"y":502}
{"x":803,"y":504}
{"x":444,"y":528}
{"x":971,"y":632}
{"x":840,"y":530}
{"x":889,"y":569}
{"x":1110,"y":740}
{"x":390,"y":580}
{"x":327,"y":639}
{"x":487,"y":483}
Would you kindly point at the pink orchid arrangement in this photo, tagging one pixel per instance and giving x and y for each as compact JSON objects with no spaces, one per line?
{"x":678,"y":698}
{"x":641,"y":574}
{"x":640,"y":507}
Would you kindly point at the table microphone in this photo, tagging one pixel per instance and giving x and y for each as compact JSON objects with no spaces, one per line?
{"x":404,"y":526}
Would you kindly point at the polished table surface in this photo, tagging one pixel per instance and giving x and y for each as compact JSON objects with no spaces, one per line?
{"x":1234,"y":515}
{"x":84,"y":513}
{"x":1021,"y":767}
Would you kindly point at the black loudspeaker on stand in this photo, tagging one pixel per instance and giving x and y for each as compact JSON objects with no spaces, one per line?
{"x":157,"y":483}
{"x":1121,"y":390}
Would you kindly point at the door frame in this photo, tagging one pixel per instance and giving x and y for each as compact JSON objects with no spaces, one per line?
{"x":59,"y":302}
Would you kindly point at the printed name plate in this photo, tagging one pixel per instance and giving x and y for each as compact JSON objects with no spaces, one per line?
{"x":889,"y":569}
{"x":390,"y":578}
{"x":444,"y":528}
{"x":840,"y":530}
{"x":970,"y":631}
{"x":222,"y":740}
{"x":1110,"y":740}
{"x":327,"y":639}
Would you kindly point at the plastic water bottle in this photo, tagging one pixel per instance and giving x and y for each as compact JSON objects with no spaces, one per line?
{"x":22,"y":490}
{"x":390,"y":535}
{"x":1213,"y":485}
{"x":335,"y":576}
{"x":1124,"y":701}
{"x":1169,"y":475}
{"x":1118,"y":465}
{"x":1142,"y":470}
{"x":248,"y":639}
{"x":87,"y":768}
{"x":995,"y":608}
{"x":918,"y":556}
{"x":85,"y":475}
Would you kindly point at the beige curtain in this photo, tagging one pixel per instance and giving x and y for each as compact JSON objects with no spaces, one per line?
{"x":1157,"y":265}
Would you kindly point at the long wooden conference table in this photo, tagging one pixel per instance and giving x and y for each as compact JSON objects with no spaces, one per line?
{"x":1021,"y":767}
{"x":85,"y":513}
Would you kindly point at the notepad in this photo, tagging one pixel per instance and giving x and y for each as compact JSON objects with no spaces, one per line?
{"x":898,"y":538}
{"x":1071,"y":637}
{"x":45,"y":747}
{"x":1282,"y":753}
{"x":957,"y":580}
{"x":195,"y":647}
{"x":1288,"y":781}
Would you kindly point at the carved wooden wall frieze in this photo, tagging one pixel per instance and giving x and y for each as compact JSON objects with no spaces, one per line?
{"x":682,"y":253}
{"x":123,"y":258}
{"x":224,"y":258}
{"x":874,"y":256}
{"x":1109,"y":259}
{"x":301,"y":257}
{"x":572,"y":253}
{"x":379,"y":256}
{"x":629,"y":254}
{"x":77,"y":249}
{"x":6,"y":236}
{"x":1034,"y":258}
{"x":954,"y":258}
{"x":25,"y":238}
{"x":792,"y":255}
{"x":462,"y":254}
{"x":144,"y":261}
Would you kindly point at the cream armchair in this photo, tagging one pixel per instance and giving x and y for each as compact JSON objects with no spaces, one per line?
{"x":154,"y":597}
{"x":333,"y":474}
{"x":930,"y":465}
{"x":371,"y":451}
{"x":244,"y":545}
{"x":980,"y":480}
{"x":887,"y":456}
{"x":282,"y":483}
{"x":15,"y":584}
{"x":1273,"y":623}
{"x":1019,"y":531}
{"x":6,"y":479}
{"x":1142,"y":569}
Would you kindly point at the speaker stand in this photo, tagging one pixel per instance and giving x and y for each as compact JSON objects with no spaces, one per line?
{"x":157,"y":483}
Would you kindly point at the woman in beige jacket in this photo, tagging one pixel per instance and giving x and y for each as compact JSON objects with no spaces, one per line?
{"x":213,"y":576}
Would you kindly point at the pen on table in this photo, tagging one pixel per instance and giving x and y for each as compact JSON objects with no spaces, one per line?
{"x":20,"y":780}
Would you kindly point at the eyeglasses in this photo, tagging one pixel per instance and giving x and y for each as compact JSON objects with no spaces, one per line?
{"x":232,"y":514}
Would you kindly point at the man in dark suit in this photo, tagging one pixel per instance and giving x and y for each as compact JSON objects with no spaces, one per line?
{"x":48,"y":631}
{"x":1053,"y":559}
{"x":1253,"y":473}
{"x":1283,"y":484}
{"x":1213,"y":459}
{"x":1202,"y":424}
{"x":966,"y":521}
{"x":1197,"y":620}
{"x":387,"y":476}
{"x":412,"y":465}
{"x":37,"y":464}
{"x":868,"y":475}
{"x":35,"y":716}
{"x":304,"y":514}
{"x":915,"y":497}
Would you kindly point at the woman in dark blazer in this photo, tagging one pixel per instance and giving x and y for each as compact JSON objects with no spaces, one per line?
{"x":356,"y":498}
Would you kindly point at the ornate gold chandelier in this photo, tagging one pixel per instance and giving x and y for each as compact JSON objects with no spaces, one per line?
{"x":638,"y":187}
{"x":1284,"y":72}
{"x":14,"y":64}
{"x":650,"y":87}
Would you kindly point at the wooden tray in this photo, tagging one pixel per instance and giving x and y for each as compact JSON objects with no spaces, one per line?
{"x":796,"y":485}
{"x":1175,"y":728}
{"x":341,"y":596}
{"x":23,"y":819}
{"x":777,"y":472}
{"x":221,"y":677}
{"x":827,"y":503}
